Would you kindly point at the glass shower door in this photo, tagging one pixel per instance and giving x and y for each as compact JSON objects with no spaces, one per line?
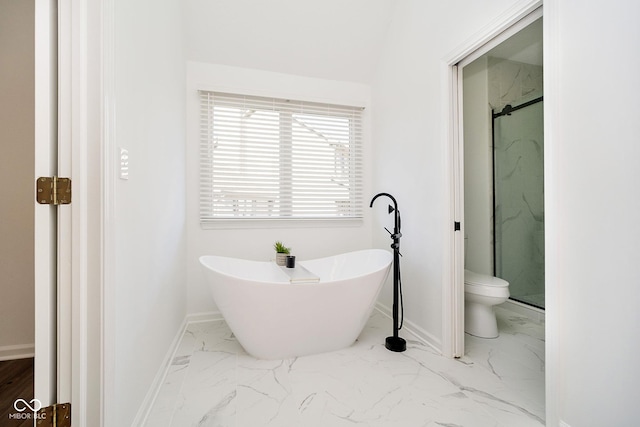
{"x":519,"y":200}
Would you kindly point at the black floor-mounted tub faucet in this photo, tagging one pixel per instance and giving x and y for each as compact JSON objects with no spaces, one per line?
{"x":395,"y":343}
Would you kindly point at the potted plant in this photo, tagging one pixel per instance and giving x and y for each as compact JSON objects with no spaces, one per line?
{"x":281,"y":253}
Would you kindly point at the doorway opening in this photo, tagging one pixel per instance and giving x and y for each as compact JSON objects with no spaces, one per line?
{"x":504,"y":163}
{"x":501,"y":195}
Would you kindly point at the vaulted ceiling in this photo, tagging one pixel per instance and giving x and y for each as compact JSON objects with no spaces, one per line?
{"x":329,"y":39}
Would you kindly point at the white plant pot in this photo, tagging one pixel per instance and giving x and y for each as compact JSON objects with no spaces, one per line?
{"x":281,"y":259}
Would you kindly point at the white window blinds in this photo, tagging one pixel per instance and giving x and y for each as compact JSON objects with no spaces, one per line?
{"x":266,"y":158}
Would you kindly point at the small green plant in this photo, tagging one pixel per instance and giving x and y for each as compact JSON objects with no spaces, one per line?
{"x":280,"y":248}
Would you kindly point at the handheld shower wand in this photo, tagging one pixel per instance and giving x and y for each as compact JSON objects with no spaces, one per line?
{"x":394,"y":343}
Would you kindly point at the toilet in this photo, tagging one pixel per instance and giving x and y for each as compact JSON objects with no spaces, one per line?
{"x":481,"y":293}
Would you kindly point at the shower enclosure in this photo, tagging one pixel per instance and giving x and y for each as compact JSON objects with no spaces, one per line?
{"x":518,"y":180}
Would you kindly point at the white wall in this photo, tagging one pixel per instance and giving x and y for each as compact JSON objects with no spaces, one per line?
{"x":328,"y":39}
{"x":149,"y":295}
{"x":17,"y":111}
{"x":595,"y":197}
{"x":308,"y":241}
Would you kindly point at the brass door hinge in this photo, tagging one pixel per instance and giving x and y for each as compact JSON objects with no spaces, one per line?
{"x":58,"y":415}
{"x":53,"y":190}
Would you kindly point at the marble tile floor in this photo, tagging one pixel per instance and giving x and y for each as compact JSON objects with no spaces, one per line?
{"x":498,"y":383}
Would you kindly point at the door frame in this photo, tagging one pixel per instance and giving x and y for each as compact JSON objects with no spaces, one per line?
{"x":81,"y":117}
{"x":86,"y":34}
{"x":512,"y":21}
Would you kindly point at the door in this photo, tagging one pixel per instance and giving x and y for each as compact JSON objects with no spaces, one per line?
{"x":45,"y":216}
{"x":60,"y":114}
{"x":52,"y":225}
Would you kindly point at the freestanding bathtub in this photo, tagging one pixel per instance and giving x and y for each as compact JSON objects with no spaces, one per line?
{"x":273,"y":318}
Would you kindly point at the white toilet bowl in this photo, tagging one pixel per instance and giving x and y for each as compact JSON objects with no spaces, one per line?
{"x":481,"y":293}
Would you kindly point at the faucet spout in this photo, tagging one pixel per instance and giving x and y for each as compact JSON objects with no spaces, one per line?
{"x":395,"y":204}
{"x":394,"y":208}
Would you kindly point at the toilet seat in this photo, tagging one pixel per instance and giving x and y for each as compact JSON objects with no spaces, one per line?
{"x":485,"y":285}
{"x":473,"y":278}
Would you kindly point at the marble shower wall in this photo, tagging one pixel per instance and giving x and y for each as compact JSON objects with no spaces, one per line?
{"x":512,"y":82}
{"x":519,"y":180}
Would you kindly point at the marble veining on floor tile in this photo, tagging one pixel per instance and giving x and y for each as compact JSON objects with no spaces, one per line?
{"x":212,"y":381}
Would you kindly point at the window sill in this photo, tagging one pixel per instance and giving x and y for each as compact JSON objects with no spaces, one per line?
{"x":247,"y":223}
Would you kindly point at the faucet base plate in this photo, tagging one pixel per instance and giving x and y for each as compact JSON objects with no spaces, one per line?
{"x":396,"y":344}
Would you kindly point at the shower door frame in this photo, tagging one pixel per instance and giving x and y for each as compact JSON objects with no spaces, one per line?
{"x":494,"y":116}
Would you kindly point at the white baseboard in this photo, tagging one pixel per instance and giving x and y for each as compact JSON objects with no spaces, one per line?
{"x":154,"y":389}
{"x":12,"y":352}
{"x":423,"y":336}
{"x":207,"y":316}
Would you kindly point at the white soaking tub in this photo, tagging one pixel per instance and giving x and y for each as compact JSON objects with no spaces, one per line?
{"x":273,"y":318}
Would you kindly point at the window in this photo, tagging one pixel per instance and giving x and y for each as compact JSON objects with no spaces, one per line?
{"x":266,"y":158}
